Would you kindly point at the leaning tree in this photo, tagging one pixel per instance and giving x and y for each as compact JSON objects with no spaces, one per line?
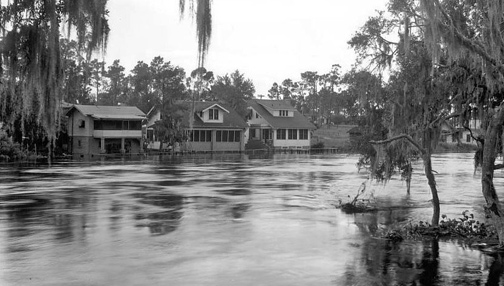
{"x":417,"y":105}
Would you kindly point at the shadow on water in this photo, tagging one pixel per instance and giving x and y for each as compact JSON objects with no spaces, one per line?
{"x":160,"y":222}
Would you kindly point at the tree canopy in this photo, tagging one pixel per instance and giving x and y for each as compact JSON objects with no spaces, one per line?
{"x":32,"y":67}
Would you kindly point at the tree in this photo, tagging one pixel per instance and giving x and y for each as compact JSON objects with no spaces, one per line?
{"x":32,"y":69}
{"x":472,"y":32}
{"x":115,"y":84}
{"x":234,"y":89}
{"x":76,"y":79}
{"x":169,"y":128}
{"x":418,"y":102}
{"x":200,"y":83}
{"x":96,"y":70}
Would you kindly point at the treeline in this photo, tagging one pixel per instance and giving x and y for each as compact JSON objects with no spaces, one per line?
{"x":147,"y":84}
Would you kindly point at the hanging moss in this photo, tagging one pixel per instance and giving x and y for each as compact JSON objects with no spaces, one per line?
{"x":31,"y":64}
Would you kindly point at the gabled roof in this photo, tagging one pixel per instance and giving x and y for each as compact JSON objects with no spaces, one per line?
{"x":275,"y":104}
{"x":215,"y":105}
{"x":109,"y":112}
{"x":230,"y":120}
{"x":298,"y":121}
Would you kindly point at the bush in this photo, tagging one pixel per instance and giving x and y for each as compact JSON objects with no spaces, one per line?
{"x":9,"y":151}
{"x":318,"y":145}
{"x":465,"y":227}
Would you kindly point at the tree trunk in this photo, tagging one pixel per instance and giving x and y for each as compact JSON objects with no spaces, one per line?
{"x":432,"y":184}
{"x":493,"y":207}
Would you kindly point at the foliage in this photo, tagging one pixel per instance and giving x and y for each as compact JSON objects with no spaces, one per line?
{"x":318,"y":145}
{"x":9,"y":151}
{"x":169,"y":128}
{"x":31,"y":57}
{"x":201,"y":12}
{"x":465,"y":227}
{"x":470,"y":34}
{"x":233,"y":89}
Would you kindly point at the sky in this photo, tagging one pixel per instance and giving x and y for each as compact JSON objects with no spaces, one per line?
{"x":266,"y":40}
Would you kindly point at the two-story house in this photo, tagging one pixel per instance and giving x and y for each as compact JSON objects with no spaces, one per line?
{"x":278,"y":124}
{"x":214,"y":127}
{"x":95,"y":129}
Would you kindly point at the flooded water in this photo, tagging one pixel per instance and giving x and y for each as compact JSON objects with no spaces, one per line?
{"x":229,"y":220}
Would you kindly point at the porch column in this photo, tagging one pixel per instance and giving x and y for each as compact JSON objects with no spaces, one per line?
{"x":122,"y":145}
{"x":102,"y":149}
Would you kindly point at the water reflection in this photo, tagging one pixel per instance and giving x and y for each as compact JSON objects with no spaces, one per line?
{"x":160,"y":222}
{"x":229,"y":220}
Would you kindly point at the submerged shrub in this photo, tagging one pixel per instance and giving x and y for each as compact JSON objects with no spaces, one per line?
{"x":465,"y":227}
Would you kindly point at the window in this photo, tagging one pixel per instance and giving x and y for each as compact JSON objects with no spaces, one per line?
{"x":292,"y":134}
{"x":213,"y":114}
{"x":284,"y":113}
{"x":468,"y":138}
{"x":228,"y":136}
{"x":303,"y":134}
{"x":135,"y":125}
{"x":281,"y":134}
{"x":257,"y":115}
{"x":79,"y":143}
{"x":266,"y":134}
{"x":82,"y":124}
{"x":201,"y":136}
{"x":97,"y":125}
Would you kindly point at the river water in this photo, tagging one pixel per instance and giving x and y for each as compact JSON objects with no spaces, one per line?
{"x":230,"y":220}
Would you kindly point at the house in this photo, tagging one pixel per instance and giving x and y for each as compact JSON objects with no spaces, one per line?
{"x":215,"y":127}
{"x":355,"y":134}
{"x":278,"y":124}
{"x":452,"y":134}
{"x":95,"y":129}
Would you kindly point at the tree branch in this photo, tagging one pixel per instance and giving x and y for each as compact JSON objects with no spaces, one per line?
{"x":475,"y":47}
{"x":398,"y":137}
{"x":498,"y":166}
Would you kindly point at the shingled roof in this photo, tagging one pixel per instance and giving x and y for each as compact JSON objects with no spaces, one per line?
{"x":298,"y":121}
{"x":109,"y":112}
{"x":231,"y":118}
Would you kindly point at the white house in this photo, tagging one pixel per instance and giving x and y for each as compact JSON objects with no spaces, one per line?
{"x":215,"y":127}
{"x":278,"y":124}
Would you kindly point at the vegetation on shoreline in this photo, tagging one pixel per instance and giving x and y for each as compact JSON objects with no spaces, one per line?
{"x":465,"y":227}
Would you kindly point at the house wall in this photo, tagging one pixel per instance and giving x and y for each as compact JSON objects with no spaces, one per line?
{"x":257,"y":119}
{"x":154,"y":118}
{"x":87,"y":141}
{"x":228,"y":146}
{"x":206,"y":116}
{"x":466,"y":138}
{"x":75,"y":120}
{"x":85,"y":145}
{"x":291,"y":143}
{"x":218,"y":146}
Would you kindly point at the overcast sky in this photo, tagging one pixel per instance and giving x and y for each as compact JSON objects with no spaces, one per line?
{"x":267,"y":40}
